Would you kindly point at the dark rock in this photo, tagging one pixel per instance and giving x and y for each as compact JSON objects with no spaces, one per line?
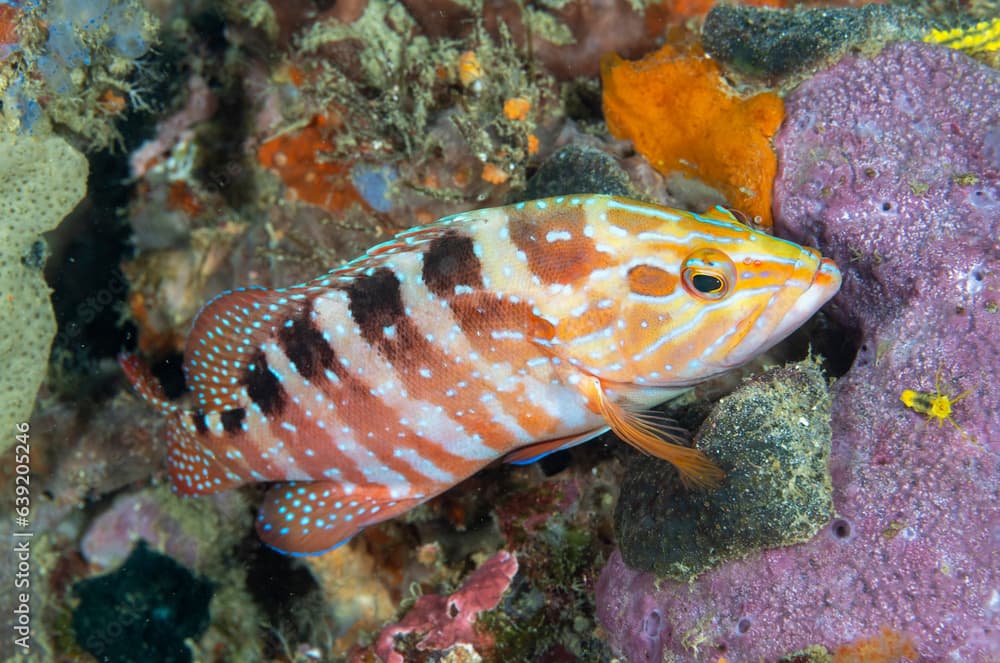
{"x":773,"y":43}
{"x":143,"y":612}
{"x":772,"y":437}
{"x":577,"y":169}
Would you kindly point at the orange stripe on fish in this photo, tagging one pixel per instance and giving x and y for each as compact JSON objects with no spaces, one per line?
{"x":499,"y":333}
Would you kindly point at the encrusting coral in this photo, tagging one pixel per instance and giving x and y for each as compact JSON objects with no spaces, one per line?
{"x":42,"y":178}
{"x":440,"y":623}
{"x":301,"y":159}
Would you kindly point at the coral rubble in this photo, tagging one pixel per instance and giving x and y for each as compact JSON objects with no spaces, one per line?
{"x":191,"y":532}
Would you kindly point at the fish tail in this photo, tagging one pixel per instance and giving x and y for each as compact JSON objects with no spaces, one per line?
{"x":145,"y":384}
{"x":193,"y":468}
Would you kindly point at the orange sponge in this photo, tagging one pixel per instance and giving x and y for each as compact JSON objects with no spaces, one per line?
{"x":887,"y":646}
{"x":301,"y":159}
{"x":683,"y":117}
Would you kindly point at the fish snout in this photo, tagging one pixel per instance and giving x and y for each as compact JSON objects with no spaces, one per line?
{"x":825,"y":283}
{"x":812,"y":282}
{"x":828,"y":276}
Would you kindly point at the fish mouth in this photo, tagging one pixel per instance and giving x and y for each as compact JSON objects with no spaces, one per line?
{"x":824,"y":284}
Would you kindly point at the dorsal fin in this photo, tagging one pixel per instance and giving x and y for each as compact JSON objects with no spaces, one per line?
{"x":413,"y":239}
{"x":231,"y":329}
{"x":732,"y":214}
{"x":409,"y":240}
{"x":720,"y":213}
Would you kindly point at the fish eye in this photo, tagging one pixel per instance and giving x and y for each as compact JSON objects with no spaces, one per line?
{"x":708,"y":274}
{"x":707,"y":284}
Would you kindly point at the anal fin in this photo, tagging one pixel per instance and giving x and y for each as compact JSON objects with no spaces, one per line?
{"x":311,"y":518}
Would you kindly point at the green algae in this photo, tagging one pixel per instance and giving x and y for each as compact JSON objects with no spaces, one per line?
{"x":550,"y":605}
{"x":553,"y":607}
{"x":387,"y":101}
{"x":548,"y":27}
{"x":772,"y":438}
{"x":811,"y":654}
{"x":258,"y":14}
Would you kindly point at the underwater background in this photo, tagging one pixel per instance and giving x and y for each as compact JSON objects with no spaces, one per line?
{"x":154,"y":154}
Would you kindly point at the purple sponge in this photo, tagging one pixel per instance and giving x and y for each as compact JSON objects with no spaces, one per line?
{"x":891,"y":165}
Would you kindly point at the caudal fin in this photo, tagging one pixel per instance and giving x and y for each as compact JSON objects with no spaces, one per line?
{"x":193,"y":467}
{"x":145,"y":383}
{"x":226,"y":336}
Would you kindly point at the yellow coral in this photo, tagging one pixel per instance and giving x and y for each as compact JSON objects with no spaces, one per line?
{"x":935,"y":404}
{"x":469,"y":69}
{"x":980,"y":38}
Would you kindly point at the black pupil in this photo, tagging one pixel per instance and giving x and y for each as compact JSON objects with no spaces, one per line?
{"x":706,"y":283}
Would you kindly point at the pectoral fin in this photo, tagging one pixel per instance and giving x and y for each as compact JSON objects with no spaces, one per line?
{"x":656,"y":435}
